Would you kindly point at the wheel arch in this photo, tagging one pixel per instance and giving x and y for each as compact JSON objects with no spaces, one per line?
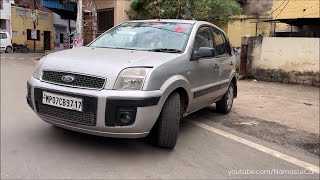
{"x":184,"y":99}
{"x":180,"y":85}
{"x":234,"y":80}
{"x":7,"y":48}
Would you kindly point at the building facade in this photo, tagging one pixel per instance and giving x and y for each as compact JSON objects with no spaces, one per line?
{"x":295,"y":9}
{"x":64,"y":15}
{"x":246,"y":24}
{"x":5,"y":15}
{"x":256,"y":16}
{"x":99,"y":16}
{"x":23,"y":28}
{"x":116,"y":9}
{"x":62,"y":31}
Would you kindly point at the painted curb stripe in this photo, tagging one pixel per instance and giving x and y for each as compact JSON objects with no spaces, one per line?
{"x":259,"y":147}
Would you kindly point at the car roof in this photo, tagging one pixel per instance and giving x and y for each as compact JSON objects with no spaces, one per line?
{"x":167,"y":20}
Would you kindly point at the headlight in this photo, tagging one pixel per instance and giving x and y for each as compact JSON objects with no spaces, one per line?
{"x":131,"y":79}
{"x":37,"y":73}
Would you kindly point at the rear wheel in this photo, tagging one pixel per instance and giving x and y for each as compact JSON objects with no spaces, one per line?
{"x":9,"y":49}
{"x":165,"y":132}
{"x":225,"y":104}
{"x":25,"y":50}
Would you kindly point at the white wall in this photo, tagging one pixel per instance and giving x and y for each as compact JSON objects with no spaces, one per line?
{"x":5,"y":13}
{"x":289,"y":54}
{"x":62,"y":22}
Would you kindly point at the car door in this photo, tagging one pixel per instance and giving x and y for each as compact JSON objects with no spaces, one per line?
{"x":204,"y":74}
{"x":224,"y":58}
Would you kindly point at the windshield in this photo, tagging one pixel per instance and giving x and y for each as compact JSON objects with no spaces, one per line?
{"x":148,"y":36}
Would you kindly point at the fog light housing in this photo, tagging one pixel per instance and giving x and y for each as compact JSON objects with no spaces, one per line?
{"x":126,"y":116}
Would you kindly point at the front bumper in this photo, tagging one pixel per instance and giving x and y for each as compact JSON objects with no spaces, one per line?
{"x":104,"y":103}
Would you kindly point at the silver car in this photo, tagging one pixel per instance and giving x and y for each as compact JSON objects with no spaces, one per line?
{"x":137,"y":79}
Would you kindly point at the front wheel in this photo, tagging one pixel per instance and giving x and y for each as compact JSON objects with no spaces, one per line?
{"x":224,"y":105}
{"x":165,"y":132}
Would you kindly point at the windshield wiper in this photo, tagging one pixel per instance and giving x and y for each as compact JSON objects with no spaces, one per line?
{"x":165,"y":50}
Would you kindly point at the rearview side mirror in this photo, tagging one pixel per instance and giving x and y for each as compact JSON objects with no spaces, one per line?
{"x":206,"y":52}
{"x":203,"y":52}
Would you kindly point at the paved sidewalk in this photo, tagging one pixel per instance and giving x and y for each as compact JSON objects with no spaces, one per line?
{"x":295,"y":106}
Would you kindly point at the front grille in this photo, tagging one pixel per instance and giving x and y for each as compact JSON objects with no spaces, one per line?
{"x":80,"y":80}
{"x":87,"y":117}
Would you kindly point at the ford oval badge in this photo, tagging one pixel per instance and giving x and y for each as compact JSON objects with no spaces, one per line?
{"x":67,"y":78}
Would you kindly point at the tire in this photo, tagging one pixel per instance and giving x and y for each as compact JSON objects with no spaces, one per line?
{"x":165,"y":132}
{"x":9,"y":49}
{"x":224,"y":105}
{"x":25,"y":50}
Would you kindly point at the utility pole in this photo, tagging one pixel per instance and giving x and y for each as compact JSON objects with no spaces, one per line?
{"x":69,"y":37}
{"x":79,"y":21}
{"x":34,"y":25}
{"x":187,"y":9}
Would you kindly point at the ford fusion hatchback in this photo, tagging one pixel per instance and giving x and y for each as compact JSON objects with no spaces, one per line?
{"x":138,"y":79}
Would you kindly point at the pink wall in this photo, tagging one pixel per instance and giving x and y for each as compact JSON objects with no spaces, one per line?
{"x":8,"y":27}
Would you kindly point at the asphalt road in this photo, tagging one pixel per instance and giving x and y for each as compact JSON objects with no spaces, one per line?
{"x":33,"y":149}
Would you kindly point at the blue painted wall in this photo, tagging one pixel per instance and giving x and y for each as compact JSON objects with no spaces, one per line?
{"x":57,"y":5}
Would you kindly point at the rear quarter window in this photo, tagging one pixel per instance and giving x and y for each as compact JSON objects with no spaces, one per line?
{"x":3,"y":36}
{"x":222,"y":45}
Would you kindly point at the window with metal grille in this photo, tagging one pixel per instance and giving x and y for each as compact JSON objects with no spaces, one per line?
{"x":29,"y":35}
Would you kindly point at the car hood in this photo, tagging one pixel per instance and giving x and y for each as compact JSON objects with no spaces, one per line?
{"x":103,"y":62}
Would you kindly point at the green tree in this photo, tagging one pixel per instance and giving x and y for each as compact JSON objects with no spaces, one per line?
{"x":207,"y":10}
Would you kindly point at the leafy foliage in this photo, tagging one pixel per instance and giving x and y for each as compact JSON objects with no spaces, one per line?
{"x":207,"y":10}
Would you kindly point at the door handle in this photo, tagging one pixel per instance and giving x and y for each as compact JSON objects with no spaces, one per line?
{"x":216,"y":66}
{"x":231,"y":64}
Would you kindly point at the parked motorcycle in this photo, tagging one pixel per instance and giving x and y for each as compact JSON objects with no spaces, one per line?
{"x":20,"y":48}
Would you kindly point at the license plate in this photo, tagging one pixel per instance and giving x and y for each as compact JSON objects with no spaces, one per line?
{"x":62,"y":101}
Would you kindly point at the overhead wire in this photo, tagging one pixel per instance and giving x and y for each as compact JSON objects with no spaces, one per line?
{"x":278,"y":7}
{"x":282,"y":9}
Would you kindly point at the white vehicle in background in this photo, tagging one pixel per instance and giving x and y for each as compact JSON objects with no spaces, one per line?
{"x":5,"y":42}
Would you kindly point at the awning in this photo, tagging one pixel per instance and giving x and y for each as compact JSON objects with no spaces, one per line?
{"x":67,"y":10}
{"x":297,"y":21}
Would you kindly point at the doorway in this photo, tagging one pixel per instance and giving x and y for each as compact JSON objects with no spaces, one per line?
{"x":61,"y":38}
{"x":47,"y":40}
{"x":105,"y":19}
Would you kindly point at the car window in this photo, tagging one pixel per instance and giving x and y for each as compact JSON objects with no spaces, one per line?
{"x":146,"y":36}
{"x":222,"y":46}
{"x":203,"y":39}
{"x":228,"y":45}
{"x":3,"y":36}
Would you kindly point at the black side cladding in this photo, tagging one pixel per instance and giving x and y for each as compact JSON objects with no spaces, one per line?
{"x":28,"y":96}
